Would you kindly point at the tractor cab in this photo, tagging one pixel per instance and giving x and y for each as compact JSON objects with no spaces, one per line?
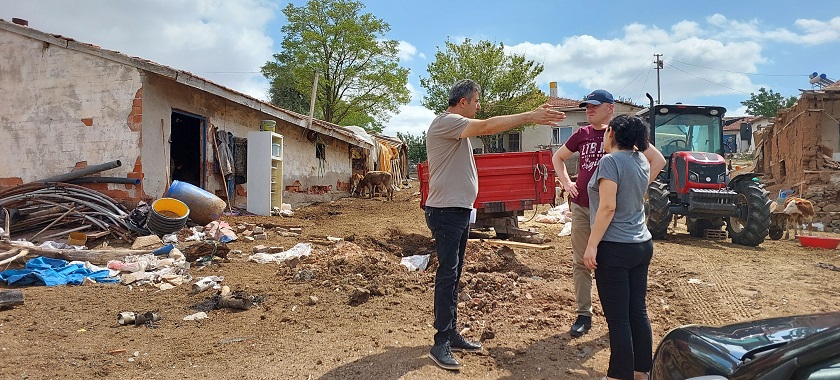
{"x":691,"y":138}
{"x":681,"y":128}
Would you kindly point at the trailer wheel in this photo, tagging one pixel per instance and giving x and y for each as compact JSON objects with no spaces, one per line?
{"x":778,"y":225}
{"x":754,"y":206}
{"x":659,"y":213}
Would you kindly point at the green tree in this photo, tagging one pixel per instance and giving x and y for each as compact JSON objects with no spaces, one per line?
{"x":507,"y":81}
{"x":283,"y":94}
{"x":360,"y":76}
{"x":766,"y":103}
{"x":416,"y":146}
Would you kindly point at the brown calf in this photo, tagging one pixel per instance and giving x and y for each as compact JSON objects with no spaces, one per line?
{"x":354,"y":183}
{"x":798,"y":211}
{"x":373,"y":179}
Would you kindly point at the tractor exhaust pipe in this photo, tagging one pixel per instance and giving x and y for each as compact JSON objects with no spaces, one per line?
{"x":650,"y":119}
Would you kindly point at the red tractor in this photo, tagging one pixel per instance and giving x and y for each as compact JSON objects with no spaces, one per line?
{"x":696,"y":183}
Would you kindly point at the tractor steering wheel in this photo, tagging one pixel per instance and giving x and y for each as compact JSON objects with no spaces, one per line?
{"x":676,"y":146}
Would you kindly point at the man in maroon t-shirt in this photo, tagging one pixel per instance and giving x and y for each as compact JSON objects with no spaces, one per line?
{"x":588,"y":141}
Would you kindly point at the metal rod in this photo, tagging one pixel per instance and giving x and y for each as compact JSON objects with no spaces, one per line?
{"x":67,"y":232}
{"x":51,"y":224}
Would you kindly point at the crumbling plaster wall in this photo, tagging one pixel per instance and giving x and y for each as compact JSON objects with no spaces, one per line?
{"x":60,"y":108}
{"x":794,"y":142}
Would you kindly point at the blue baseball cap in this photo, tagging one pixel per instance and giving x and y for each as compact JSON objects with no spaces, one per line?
{"x":597,"y":97}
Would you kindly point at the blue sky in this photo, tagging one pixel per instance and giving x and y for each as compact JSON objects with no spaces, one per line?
{"x":715,"y":52}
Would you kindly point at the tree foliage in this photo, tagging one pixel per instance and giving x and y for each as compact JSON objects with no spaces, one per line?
{"x":766,"y":103}
{"x":508,"y":81}
{"x":360,"y":76}
{"x":416,"y":146}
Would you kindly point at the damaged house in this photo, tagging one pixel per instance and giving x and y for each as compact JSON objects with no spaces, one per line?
{"x":67,"y":104}
{"x":800,"y":151}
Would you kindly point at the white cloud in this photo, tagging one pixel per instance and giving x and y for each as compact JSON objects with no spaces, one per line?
{"x":411,"y":119}
{"x":619,"y":64}
{"x":223,"y":41}
{"x":814,"y":32}
{"x":407,"y":51}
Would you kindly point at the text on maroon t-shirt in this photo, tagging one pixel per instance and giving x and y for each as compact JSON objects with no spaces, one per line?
{"x":589,"y":142}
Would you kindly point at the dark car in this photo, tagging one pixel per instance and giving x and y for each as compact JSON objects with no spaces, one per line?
{"x":797,"y":347}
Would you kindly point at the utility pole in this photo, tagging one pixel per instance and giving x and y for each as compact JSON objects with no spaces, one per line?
{"x":659,"y":65}
{"x":312,"y":101}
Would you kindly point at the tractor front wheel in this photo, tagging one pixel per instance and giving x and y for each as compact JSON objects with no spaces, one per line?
{"x":752,"y":224}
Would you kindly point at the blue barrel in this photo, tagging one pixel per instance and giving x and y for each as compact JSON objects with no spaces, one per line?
{"x":205,"y":207}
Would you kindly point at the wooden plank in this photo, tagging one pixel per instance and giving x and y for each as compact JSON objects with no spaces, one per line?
{"x":97,"y":257}
{"x":515,"y":244}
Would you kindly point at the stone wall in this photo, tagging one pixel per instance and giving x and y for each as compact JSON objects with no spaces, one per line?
{"x":826,"y":205}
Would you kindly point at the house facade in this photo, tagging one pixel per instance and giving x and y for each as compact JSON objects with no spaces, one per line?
{"x":738,"y":133}
{"x":67,"y":104}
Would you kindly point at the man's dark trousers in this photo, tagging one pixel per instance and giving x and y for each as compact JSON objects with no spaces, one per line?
{"x":450,"y":228}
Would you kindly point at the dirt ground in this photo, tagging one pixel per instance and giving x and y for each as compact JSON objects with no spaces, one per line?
{"x":312,"y":322}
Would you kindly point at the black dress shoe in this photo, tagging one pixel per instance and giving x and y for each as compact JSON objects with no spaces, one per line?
{"x":441,"y":354}
{"x":581,"y":326}
{"x":458,"y":343}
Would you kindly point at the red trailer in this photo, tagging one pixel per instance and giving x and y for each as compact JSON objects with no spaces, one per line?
{"x":508,"y":184}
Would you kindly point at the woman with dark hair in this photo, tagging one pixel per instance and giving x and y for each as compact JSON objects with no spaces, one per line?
{"x":620,"y":248}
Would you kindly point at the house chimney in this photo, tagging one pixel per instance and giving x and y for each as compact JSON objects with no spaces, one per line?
{"x":552,"y":89}
{"x":20,"y":21}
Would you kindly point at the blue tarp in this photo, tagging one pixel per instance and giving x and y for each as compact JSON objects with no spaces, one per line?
{"x":50,"y":272}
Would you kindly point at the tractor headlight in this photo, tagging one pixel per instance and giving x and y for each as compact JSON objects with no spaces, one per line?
{"x":722,"y":178}
{"x":693,"y":177}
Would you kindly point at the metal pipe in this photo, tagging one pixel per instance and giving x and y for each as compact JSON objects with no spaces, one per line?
{"x":129,"y":181}
{"x":82,"y":172}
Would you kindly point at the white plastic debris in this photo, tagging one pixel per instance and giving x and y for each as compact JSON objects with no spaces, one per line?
{"x":196,"y":317}
{"x":567,"y":229}
{"x":170,"y":238}
{"x":555,"y":215}
{"x":206,"y":283}
{"x":298,"y":251}
{"x":416,"y":262}
{"x":197,"y":235}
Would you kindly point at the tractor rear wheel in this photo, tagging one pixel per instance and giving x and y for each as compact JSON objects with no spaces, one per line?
{"x":659,"y":213}
{"x":754,"y":206}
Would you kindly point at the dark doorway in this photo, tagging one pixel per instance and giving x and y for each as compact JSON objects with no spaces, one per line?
{"x":185,"y":147}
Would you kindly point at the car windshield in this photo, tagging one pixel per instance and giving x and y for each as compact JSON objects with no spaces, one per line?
{"x":688,"y":132}
{"x":746,"y":342}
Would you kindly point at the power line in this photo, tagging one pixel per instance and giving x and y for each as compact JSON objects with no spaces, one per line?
{"x":227,"y":72}
{"x":642,"y":90}
{"x":644,"y":68}
{"x":739,"y":72}
{"x":715,"y":83}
